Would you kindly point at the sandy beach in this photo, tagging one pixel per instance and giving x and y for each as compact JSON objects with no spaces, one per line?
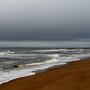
{"x":74,"y":76}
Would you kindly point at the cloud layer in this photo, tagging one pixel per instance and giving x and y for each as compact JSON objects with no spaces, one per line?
{"x":44,"y":19}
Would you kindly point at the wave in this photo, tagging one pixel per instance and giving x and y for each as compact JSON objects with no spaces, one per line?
{"x":53,"y":55}
{"x":13,"y":55}
{"x":56,"y":50}
{"x":47,"y":50}
{"x":30,"y":68}
{"x":23,"y":53}
{"x":7,"y":76}
{"x":7,"y":52}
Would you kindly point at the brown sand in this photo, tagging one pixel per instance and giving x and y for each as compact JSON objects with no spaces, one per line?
{"x":75,"y":76}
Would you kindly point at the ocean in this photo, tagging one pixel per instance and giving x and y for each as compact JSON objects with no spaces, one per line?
{"x":21,"y":61}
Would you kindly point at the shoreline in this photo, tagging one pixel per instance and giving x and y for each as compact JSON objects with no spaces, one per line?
{"x":76,"y":74}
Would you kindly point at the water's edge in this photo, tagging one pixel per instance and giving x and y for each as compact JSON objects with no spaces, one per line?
{"x":45,"y":70}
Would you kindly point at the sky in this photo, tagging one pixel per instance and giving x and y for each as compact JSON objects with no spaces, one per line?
{"x":44,"y":19}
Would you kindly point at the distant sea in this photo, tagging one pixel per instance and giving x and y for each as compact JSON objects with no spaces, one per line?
{"x":25,"y":58}
{"x":50,"y":44}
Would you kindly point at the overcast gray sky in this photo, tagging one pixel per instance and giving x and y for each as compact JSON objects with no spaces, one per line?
{"x":44,"y":19}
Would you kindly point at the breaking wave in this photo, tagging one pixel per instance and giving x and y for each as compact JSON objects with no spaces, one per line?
{"x":18,"y":63}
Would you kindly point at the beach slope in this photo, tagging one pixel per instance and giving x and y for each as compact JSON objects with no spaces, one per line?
{"x":74,"y":76}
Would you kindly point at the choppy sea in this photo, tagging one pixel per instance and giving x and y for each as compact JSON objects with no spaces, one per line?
{"x":21,"y":62}
{"x":25,"y":58}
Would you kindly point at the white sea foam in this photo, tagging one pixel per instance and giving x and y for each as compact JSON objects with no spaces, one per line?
{"x":71,"y":50}
{"x":7,"y":76}
{"x":13,"y":55}
{"x":6,"y":52}
{"x":53,"y":55}
{"x":51,"y":50}
{"x":29,"y":70}
{"x":39,"y":63}
{"x":52,"y":61}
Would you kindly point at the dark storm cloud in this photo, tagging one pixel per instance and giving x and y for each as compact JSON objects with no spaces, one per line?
{"x":44,"y":19}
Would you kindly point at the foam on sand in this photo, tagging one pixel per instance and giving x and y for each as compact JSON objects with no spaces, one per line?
{"x":7,"y":76}
{"x":10,"y":75}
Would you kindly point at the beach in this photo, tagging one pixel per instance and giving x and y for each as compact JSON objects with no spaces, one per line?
{"x":73,"y":76}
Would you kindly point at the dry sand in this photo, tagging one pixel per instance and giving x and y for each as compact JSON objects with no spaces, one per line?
{"x":74,"y":76}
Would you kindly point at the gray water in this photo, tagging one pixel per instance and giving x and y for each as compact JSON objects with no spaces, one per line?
{"x":11,"y":58}
{"x":60,"y":44}
{"x":24,"y":58}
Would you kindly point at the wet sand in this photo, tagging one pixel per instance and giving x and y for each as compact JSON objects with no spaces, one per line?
{"x":74,"y":76}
